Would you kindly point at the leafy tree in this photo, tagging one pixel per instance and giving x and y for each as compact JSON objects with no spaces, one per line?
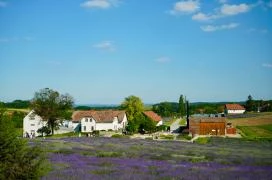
{"x":250,"y":104}
{"x":17,"y":159}
{"x":44,"y":130}
{"x":133,"y":106}
{"x":182,"y":110}
{"x":51,"y":106}
{"x":166,"y":109}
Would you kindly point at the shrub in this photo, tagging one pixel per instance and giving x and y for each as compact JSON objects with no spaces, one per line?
{"x":44,"y":130}
{"x":203,"y":140}
{"x":184,"y":136}
{"x":17,"y":159}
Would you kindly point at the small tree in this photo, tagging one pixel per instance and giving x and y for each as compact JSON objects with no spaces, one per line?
{"x":51,"y":106}
{"x":250,"y":104}
{"x":133,"y":106}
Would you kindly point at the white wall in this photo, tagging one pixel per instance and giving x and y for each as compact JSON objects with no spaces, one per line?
{"x":159,"y":123}
{"x":235,"y":111}
{"x":32,"y":123}
{"x":88,"y":124}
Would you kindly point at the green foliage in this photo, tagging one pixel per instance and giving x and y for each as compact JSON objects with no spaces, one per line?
{"x":170,"y":137}
{"x":44,"y":130}
{"x":119,"y":136}
{"x":250,"y":104}
{"x":51,"y":106}
{"x":18,"y":104}
{"x":184,"y":137}
{"x":133,"y":106}
{"x":17,"y":118}
{"x":17,"y":159}
{"x":181,"y":109}
{"x":109,"y":154}
{"x":203,"y":140}
{"x":166,"y":109}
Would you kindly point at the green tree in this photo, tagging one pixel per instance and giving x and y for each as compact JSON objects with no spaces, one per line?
{"x":17,"y":159}
{"x":250,"y":104}
{"x":133,"y":106}
{"x":51,"y":106}
{"x":182,"y":110}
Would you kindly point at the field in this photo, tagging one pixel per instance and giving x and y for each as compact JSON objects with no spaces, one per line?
{"x":258,"y":125}
{"x":124,"y":158}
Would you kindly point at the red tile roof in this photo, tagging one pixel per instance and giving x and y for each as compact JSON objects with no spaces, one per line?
{"x":99,"y":116}
{"x":152,"y":115}
{"x":234,"y":107}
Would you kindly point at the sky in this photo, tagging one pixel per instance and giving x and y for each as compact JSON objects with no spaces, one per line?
{"x":101,"y":51}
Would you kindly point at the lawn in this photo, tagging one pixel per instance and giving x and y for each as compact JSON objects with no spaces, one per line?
{"x":169,"y":122}
{"x":124,"y":158}
{"x":252,"y":132}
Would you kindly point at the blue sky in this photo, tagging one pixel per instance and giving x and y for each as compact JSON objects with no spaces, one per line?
{"x":101,"y":51}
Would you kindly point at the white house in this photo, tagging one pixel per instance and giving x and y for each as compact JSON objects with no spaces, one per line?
{"x":100,"y":120}
{"x":234,"y":109}
{"x":154,"y":117}
{"x":33,"y":122}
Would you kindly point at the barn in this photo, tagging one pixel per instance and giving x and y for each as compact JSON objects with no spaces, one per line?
{"x":215,"y":126}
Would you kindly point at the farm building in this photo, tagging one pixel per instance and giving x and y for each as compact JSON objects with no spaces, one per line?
{"x":234,"y":109}
{"x":207,"y":126}
{"x":100,"y":120}
{"x":154,"y":117}
{"x":32,"y":122}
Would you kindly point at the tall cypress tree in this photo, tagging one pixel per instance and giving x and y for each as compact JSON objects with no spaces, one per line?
{"x":182,"y":110}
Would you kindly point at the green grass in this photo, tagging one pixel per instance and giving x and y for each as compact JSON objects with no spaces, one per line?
{"x":203,"y":140}
{"x":169,"y":122}
{"x":170,"y":137}
{"x":69,"y":134}
{"x":182,"y":122}
{"x":255,"y":132}
{"x":20,"y":110}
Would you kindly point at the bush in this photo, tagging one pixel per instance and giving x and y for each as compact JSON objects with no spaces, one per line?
{"x":184,"y":136}
{"x":203,"y":140}
{"x":118,"y":136}
{"x":17,"y":159}
{"x":44,"y":130}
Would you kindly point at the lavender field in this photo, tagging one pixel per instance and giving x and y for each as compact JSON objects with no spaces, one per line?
{"x":124,"y":158}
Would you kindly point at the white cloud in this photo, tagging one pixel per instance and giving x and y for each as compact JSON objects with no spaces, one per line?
{"x":267,"y":65}
{"x":105,"y":45}
{"x":163,"y":59}
{"x":254,"y":30}
{"x":203,"y":17}
{"x":189,"y":6}
{"x":3,"y":4}
{"x":212,"y":28}
{"x":229,"y":10}
{"x":100,"y":4}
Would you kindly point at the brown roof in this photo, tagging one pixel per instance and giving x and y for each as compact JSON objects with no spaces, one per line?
{"x":234,"y":107}
{"x":152,"y":115}
{"x":99,"y":116}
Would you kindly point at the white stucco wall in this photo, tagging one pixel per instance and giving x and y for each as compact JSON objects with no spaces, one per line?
{"x":32,"y":123}
{"x":159,"y":123}
{"x":123,"y":123}
{"x":235,"y":111}
{"x":88,"y":124}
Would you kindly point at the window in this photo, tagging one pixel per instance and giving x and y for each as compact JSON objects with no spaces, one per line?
{"x":91,"y":120}
{"x":84,"y":128}
{"x":32,"y":124}
{"x":86,"y":119}
{"x":92,"y":128}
